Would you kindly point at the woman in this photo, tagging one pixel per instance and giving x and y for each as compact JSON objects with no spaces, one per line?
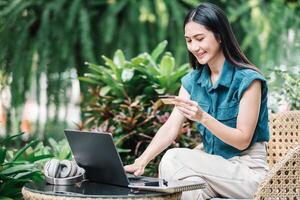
{"x":227,"y":98}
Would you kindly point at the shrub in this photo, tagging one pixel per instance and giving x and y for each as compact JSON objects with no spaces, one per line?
{"x":285,"y":86}
{"x":18,"y":167}
{"x":20,"y":164}
{"x":124,"y":100}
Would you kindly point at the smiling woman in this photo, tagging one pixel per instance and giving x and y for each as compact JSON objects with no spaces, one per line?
{"x":226,"y":96}
{"x":202,"y":43}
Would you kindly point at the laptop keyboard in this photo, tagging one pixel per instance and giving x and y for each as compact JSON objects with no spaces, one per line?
{"x":137,"y":179}
{"x":133,"y":177}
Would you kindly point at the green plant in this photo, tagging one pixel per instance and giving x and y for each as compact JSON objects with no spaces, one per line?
{"x":285,"y":84}
{"x":121,"y":81}
{"x":50,"y":39}
{"x":124,"y":99}
{"x":291,"y":89}
{"x":61,"y":149}
{"x":19,"y":166}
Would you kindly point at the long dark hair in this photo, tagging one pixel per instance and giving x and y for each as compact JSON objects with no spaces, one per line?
{"x":215,"y":20}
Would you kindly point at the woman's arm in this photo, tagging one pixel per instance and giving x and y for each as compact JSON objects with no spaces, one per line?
{"x":239,"y":137}
{"x":162,"y":139}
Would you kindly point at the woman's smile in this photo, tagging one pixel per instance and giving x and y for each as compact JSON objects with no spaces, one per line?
{"x":200,"y":54}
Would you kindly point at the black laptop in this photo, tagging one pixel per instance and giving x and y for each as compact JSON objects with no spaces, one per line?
{"x":97,"y":154}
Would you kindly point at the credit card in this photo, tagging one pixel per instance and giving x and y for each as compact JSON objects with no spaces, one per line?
{"x":167,"y":99}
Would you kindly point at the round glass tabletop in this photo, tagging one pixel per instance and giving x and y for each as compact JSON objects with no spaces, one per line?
{"x":89,"y":189}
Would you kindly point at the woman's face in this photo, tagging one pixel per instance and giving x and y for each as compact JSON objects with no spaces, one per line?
{"x":202,"y":43}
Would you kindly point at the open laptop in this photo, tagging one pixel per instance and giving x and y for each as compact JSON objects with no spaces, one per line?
{"x":97,"y":154}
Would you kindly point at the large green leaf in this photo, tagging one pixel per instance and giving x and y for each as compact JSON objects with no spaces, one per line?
{"x":26,"y":175}
{"x":138,"y":60}
{"x":54,"y":144}
{"x":114,"y":68}
{"x":34,"y":158}
{"x":88,"y":80}
{"x":167,"y":65}
{"x":5,"y":198}
{"x":104,"y":90}
{"x":23,"y":149}
{"x":159,"y":50}
{"x":17,"y":169}
{"x":2,"y":155}
{"x":96,"y":68}
{"x":119,"y":59}
{"x":10,"y":138}
{"x":127,"y":74}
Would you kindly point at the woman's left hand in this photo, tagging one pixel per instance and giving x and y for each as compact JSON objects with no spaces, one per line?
{"x":188,"y":108}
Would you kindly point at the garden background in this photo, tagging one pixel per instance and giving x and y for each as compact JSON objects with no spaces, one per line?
{"x":101,"y":64}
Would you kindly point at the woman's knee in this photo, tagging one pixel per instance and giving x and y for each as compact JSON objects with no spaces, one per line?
{"x":171,"y":155}
{"x":170,"y":163}
{"x":168,"y":158}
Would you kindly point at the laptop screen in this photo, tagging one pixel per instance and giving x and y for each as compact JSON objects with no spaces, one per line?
{"x":96,"y":153}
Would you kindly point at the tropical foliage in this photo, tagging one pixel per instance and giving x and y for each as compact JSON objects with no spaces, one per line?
{"x":49,"y":39}
{"x":19,"y":166}
{"x":124,"y":99}
{"x":285,"y":87}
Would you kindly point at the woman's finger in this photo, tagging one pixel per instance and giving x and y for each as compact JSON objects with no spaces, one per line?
{"x":191,"y":110}
{"x":128,"y":168}
{"x":182,"y":100}
{"x":184,"y":114}
{"x":184,"y":105}
{"x":187,"y":101}
{"x":184,"y":110}
{"x":138,"y":172}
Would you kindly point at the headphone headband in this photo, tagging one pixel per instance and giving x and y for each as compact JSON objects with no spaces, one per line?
{"x":52,"y":170}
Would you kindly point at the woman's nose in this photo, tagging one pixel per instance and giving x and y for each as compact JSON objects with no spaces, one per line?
{"x":195,"y":47}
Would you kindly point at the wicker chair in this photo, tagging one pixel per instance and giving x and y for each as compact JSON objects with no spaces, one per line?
{"x":283,"y":179}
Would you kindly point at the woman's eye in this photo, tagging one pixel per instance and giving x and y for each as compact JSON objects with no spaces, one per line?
{"x":199,"y":39}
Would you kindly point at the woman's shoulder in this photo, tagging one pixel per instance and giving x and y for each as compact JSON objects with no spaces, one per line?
{"x":244,"y":77}
{"x":244,"y":73}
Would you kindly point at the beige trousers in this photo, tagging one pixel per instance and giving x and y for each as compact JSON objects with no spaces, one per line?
{"x":237,"y":177}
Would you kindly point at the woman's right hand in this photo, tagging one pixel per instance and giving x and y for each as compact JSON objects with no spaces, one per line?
{"x":137,"y":168}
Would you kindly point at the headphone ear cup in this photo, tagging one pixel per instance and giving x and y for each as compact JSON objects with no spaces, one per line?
{"x":65,"y":168}
{"x":46,"y":166}
{"x":74,"y":168}
{"x":52,"y":168}
{"x":79,"y":171}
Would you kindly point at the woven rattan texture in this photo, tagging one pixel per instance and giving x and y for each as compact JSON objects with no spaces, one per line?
{"x":284,"y":134}
{"x":28,"y":195}
{"x":283,"y":180}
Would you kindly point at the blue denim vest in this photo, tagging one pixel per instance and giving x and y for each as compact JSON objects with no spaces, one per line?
{"x":221,"y":101}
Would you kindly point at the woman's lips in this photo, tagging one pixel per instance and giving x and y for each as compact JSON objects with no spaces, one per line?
{"x":200,"y":55}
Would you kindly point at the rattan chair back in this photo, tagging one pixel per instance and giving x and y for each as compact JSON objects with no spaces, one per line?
{"x":283,"y":180}
{"x":284,"y":134}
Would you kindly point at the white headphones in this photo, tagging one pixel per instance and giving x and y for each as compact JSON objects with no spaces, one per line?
{"x":63,"y":172}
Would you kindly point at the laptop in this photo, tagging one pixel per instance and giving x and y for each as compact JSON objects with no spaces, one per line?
{"x":97,"y":154}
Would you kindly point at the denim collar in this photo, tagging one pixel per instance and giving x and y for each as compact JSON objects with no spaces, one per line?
{"x":224,"y":80}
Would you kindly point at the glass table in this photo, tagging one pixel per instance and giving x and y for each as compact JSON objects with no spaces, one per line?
{"x":90,"y":190}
